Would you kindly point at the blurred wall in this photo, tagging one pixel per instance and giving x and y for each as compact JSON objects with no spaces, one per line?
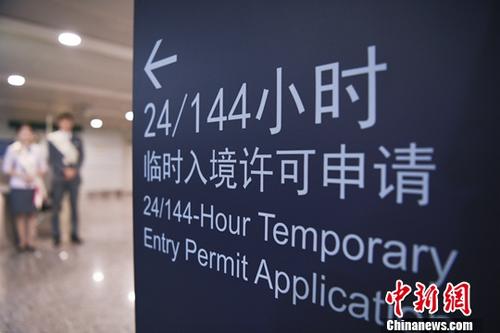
{"x":108,"y":161}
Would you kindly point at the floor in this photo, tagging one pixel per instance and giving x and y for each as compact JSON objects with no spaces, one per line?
{"x":87,"y":288}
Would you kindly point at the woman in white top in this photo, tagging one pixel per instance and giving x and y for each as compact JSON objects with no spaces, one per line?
{"x":26,"y":166}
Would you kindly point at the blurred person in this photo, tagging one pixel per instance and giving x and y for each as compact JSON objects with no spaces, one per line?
{"x":65,"y":159}
{"x":25,"y":164}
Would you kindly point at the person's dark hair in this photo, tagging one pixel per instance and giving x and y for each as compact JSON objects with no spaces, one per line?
{"x":65,"y":116}
{"x":20,"y":127}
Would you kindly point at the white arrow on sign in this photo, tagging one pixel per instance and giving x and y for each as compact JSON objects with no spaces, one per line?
{"x":152,"y":65}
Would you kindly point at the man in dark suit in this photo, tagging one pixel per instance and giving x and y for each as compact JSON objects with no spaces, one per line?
{"x":65,"y":160}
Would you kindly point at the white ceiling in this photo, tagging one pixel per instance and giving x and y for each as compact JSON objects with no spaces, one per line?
{"x":91,"y":80}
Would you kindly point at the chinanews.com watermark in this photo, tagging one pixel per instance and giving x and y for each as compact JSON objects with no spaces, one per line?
{"x":430,"y":325}
{"x":455,"y":301}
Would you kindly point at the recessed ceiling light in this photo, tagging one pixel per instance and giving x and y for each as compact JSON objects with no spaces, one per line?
{"x":96,"y":123}
{"x":16,"y":80}
{"x":98,"y":276}
{"x":69,"y":39}
{"x":129,"y":115}
{"x":131,"y":297}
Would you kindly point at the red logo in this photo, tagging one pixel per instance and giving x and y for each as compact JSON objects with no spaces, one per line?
{"x":455,"y":298}
{"x":427,"y":298}
{"x":397,"y":296}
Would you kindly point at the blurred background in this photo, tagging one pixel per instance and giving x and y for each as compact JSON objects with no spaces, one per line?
{"x":88,"y":72}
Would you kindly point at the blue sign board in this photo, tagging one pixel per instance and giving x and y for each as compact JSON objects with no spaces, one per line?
{"x":294,"y":159}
